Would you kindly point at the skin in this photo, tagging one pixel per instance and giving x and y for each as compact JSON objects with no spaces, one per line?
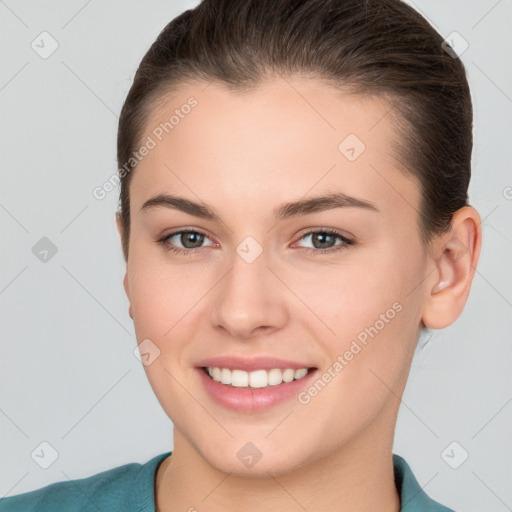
{"x":244,"y":155}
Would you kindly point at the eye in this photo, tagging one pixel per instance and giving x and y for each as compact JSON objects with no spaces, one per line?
{"x":324,"y":241}
{"x":190,"y":241}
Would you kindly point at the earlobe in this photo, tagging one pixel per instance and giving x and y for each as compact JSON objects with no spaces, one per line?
{"x":454,"y":258}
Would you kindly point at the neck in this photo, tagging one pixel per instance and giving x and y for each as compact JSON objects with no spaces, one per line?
{"x":355,"y":478}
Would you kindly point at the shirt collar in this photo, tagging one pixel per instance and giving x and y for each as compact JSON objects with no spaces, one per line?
{"x":413,"y":498}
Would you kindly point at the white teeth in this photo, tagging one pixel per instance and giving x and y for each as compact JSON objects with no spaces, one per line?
{"x":300,"y":373}
{"x":275,"y":377}
{"x":216,"y":374}
{"x":225,"y":376}
{"x":288,"y":375}
{"x":257,"y":378}
{"x":239,"y":378}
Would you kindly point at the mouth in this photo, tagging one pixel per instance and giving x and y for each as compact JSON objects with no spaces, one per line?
{"x":253,"y":384}
{"x":256,"y":379}
{"x":250,"y":386}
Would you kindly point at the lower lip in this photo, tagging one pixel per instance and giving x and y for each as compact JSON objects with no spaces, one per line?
{"x":252,"y":400}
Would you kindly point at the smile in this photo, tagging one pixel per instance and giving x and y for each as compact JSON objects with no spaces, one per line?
{"x":254,"y":390}
{"x":255,"y":379}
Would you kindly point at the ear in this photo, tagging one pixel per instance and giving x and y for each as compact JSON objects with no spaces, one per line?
{"x":454,"y":257}
{"x":120,"y":230}
{"x":125,"y":279}
{"x":119,"y":224}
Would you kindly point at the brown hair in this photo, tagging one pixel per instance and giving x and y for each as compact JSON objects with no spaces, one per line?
{"x":376,"y":47}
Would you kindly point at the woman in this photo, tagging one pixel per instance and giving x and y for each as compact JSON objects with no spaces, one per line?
{"x":293,"y":213}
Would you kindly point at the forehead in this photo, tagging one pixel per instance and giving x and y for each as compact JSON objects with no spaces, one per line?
{"x":290,"y":136}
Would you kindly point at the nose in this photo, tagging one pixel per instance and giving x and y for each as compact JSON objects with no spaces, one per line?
{"x":249,"y":300}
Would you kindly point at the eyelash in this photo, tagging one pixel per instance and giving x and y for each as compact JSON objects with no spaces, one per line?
{"x":307,"y":250}
{"x":345,"y":242}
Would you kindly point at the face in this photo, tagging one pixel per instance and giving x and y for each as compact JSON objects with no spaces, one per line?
{"x":228,"y":272}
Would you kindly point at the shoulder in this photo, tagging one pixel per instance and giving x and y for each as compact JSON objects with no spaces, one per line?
{"x":412,"y":496}
{"x":127,"y":487}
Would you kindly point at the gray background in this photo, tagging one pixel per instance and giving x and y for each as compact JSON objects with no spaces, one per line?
{"x":67,"y":369}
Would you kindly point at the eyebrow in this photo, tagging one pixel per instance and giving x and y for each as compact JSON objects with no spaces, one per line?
{"x":286,"y":210}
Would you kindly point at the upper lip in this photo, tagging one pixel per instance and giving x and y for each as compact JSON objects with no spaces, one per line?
{"x":251,"y":364}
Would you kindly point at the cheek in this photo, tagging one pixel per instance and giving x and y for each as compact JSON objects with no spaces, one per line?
{"x":373,"y":320}
{"x":353,"y":296}
{"x":159,"y":315}
{"x":164,"y":300}
{"x":369,"y":355}
{"x":162,"y":294}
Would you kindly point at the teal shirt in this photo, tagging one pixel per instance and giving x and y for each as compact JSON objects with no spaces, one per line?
{"x":130,"y":488}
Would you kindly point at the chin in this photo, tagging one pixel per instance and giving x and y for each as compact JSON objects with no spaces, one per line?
{"x":261,"y":469}
{"x":246,"y":459}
